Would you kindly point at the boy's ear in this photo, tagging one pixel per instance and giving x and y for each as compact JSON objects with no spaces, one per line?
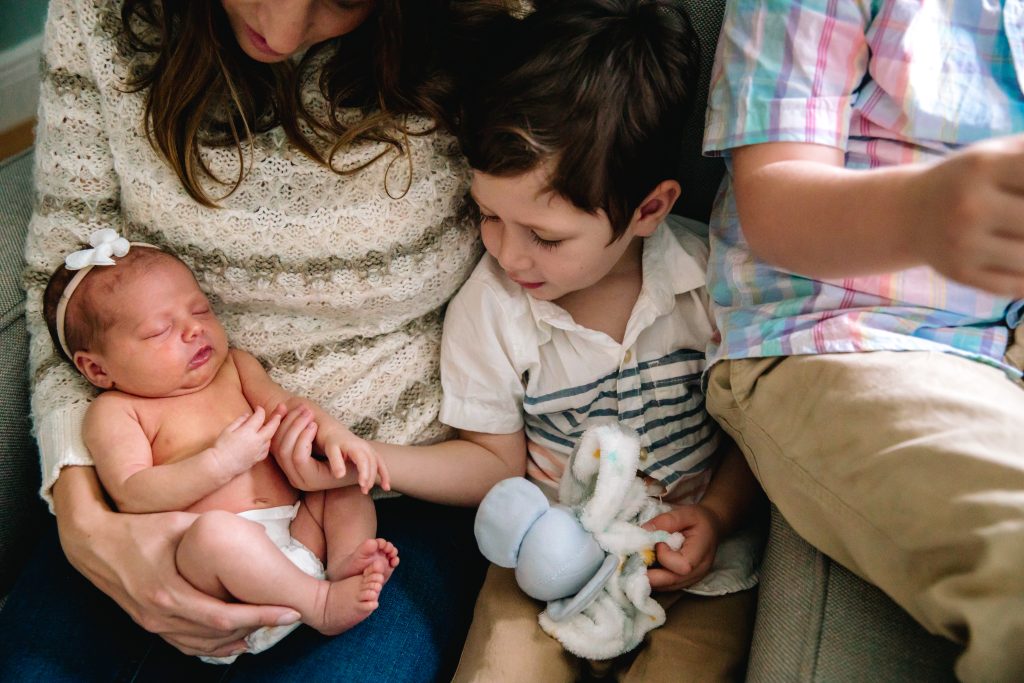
{"x":91,"y":366}
{"x":655,"y":207}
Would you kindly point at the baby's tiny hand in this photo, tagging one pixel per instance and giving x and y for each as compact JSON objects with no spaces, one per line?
{"x":246,"y":441}
{"x":691,"y":563}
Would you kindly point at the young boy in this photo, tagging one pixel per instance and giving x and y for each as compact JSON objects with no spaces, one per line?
{"x":186,"y":423}
{"x":588,"y":307}
{"x":867,"y":249}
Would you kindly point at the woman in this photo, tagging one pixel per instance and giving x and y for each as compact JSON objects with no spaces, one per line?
{"x":285,"y":150}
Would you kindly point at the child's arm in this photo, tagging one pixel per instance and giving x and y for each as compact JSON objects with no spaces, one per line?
{"x":305,"y":424}
{"x":457,"y":472}
{"x":731,"y":495}
{"x":124,"y":458}
{"x":964,"y":216}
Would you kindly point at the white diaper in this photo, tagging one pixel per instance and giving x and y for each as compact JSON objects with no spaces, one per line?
{"x":277,"y":522}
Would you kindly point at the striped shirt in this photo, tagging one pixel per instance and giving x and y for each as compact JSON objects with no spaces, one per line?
{"x":889,"y":82}
{"x":511,"y":362}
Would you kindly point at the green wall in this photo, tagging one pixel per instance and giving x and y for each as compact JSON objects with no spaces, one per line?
{"x":20,"y":20}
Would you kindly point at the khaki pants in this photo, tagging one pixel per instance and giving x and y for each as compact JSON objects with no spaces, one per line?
{"x":703,"y":639}
{"x":908,"y":468}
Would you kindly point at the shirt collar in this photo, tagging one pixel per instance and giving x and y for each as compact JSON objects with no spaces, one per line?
{"x":669,"y":270}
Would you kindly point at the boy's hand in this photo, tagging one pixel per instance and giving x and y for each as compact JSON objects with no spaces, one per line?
{"x":969,"y":223}
{"x":339,"y":444}
{"x":246,"y":441}
{"x":691,"y":563}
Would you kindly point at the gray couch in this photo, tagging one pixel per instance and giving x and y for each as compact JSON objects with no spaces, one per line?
{"x":21,"y":510}
{"x":816,"y":621}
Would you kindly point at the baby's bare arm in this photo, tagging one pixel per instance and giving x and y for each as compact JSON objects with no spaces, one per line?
{"x":124,"y":458}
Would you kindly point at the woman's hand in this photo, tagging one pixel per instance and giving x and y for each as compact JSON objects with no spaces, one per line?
{"x":131,"y":559}
{"x":691,"y":563}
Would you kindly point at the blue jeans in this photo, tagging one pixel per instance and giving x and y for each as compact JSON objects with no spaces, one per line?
{"x":56,"y":626}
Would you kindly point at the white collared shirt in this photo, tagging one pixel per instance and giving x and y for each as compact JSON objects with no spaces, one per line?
{"x":509,"y":361}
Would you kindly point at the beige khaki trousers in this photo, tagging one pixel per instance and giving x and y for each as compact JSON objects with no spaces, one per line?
{"x":703,"y":639}
{"x":907,"y":468}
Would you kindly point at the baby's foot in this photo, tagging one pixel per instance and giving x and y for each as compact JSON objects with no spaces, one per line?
{"x":377,"y":553}
{"x":348,"y":602}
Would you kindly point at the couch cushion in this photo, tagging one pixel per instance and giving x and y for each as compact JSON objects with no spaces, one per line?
{"x":817,"y":621}
{"x":20,"y":506}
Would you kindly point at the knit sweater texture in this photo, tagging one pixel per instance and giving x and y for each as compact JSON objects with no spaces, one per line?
{"x":336,"y":282}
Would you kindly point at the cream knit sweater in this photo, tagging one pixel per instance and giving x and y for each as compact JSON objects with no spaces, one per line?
{"x":337,"y":287}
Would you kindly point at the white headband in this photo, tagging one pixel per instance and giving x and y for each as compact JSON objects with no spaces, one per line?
{"x":105,"y":243}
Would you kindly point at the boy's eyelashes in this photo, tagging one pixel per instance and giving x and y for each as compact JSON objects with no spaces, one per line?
{"x":543,"y":243}
{"x":534,"y":237}
{"x":482,"y":218}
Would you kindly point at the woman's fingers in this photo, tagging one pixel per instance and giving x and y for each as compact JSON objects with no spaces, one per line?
{"x":233,"y":622}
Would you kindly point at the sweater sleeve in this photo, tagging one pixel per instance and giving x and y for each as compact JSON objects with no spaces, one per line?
{"x":77,"y":192}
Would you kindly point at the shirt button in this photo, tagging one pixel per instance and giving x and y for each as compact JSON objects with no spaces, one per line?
{"x":643,"y":454}
{"x":628,"y":357}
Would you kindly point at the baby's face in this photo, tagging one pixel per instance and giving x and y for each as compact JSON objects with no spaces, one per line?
{"x":165,"y":340}
{"x":543,"y":242}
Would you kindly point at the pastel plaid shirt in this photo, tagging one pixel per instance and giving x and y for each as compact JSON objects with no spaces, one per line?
{"x":888,"y":82}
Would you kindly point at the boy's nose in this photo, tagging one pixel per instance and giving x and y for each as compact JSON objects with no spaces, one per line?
{"x":512,"y":256}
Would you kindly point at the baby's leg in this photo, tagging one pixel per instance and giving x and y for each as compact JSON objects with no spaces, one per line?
{"x":345,"y":520}
{"x":227,"y":556}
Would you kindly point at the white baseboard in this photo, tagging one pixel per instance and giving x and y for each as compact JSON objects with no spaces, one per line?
{"x":19,"y":82}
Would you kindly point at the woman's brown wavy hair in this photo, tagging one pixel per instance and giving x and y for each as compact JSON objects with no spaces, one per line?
{"x":202,"y":89}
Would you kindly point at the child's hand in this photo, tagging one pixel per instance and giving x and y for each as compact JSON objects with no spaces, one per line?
{"x":691,"y":563}
{"x":970,"y":223}
{"x":246,"y":441}
{"x":339,"y":444}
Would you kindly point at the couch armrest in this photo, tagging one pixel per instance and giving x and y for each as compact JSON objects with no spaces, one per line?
{"x":20,"y":506}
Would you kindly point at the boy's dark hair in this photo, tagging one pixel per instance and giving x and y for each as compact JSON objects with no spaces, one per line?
{"x":600,"y":89}
{"x":83,"y":318}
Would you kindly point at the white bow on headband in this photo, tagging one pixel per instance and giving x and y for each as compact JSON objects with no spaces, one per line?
{"x":105,"y":243}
